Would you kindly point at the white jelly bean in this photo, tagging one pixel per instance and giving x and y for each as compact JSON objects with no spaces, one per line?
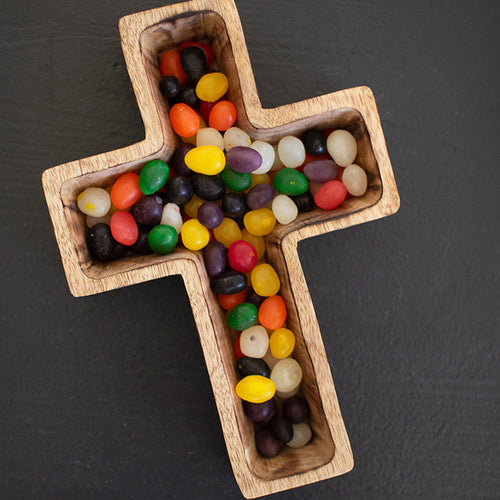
{"x":342,"y":147}
{"x":284,"y":209}
{"x":92,"y":221}
{"x":209,"y":137}
{"x":171,"y":216}
{"x":355,"y":180}
{"x":94,"y":201}
{"x":267,"y":152}
{"x":234,"y":136}
{"x":254,"y":342}
{"x":302,"y":434}
{"x":288,"y":394}
{"x":292,"y":151}
{"x":286,"y":375}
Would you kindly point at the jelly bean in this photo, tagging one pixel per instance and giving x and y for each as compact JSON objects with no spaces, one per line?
{"x":227,"y":232}
{"x":282,"y":430}
{"x":91,"y":221}
{"x":125,"y":191}
{"x":153,"y":176}
{"x":205,"y":108}
{"x":301,"y":435}
{"x":254,"y":298}
{"x":234,"y":136}
{"x":215,"y":257}
{"x":252,"y":366}
{"x":228,"y":283}
{"x":282,"y":343}
{"x":235,"y":181}
{"x":265,"y":280}
{"x":256,"y":241}
{"x":314,"y":142}
{"x":162,"y":239}
{"x":292,"y":152}
{"x":242,"y":316}
{"x":233,"y":204}
{"x":321,"y":170}
{"x":355,"y":180}
{"x":194,"y":235}
{"x":304,"y":201}
{"x":254,"y":341}
{"x":207,"y":49}
{"x":193,"y":62}
{"x":260,"y":179}
{"x":141,"y":246}
{"x":188,"y":96}
{"x":266,"y":443}
{"x":342,"y":147}
{"x":171,"y":216}
{"x":148,"y":210}
{"x":236,"y":349}
{"x":284,"y":209}
{"x":266,"y":151}
{"x":272,"y":313}
{"x":184,"y":120}
{"x":260,"y":196}
{"x":243,"y":159}
{"x":170,"y":87}
{"x":290,"y":182}
{"x":192,"y":206}
{"x":261,"y":413}
{"x":209,"y":137}
{"x":255,"y":389}
{"x":286,"y":375}
{"x":177,"y":161}
{"x":242,"y":256}
{"x":270,"y":359}
{"x":210,"y":214}
{"x":296,"y":409}
{"x":314,"y":187}
{"x":208,"y":160}
{"x":222,"y":116}
{"x":227,"y":302}
{"x":277,"y":161}
{"x":94,"y":201}
{"x":260,"y":222}
{"x":170,"y":64}
{"x":208,"y":187}
{"x":100,"y":242}
{"x":330,"y":195}
{"x":212,"y":86}
{"x":124,"y":228}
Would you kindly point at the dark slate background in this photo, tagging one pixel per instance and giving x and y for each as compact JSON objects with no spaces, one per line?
{"x":108,"y":397}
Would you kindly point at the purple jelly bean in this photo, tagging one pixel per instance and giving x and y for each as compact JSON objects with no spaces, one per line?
{"x":243,"y":159}
{"x":321,"y":171}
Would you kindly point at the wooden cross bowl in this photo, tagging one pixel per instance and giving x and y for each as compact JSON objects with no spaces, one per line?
{"x":144,"y":36}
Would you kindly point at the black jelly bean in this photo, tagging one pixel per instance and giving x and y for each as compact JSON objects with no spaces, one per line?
{"x":193,"y":62}
{"x":141,"y":246}
{"x":261,"y":413}
{"x":229,"y":282}
{"x":188,"y":96}
{"x":210,"y":215}
{"x":100,"y":242}
{"x":266,"y":443}
{"x":215,"y":257}
{"x":233,"y":204}
{"x":170,"y":87}
{"x":147,"y":210}
{"x":177,"y":161}
{"x":282,"y":430}
{"x":254,"y":298}
{"x":178,"y":190}
{"x":252,"y":366}
{"x":314,"y":142}
{"x":296,"y":409}
{"x":304,"y":201}
{"x":208,"y":187}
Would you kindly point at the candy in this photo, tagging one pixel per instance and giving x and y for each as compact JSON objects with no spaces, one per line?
{"x":170,"y":87}
{"x":100,"y":242}
{"x":261,"y":413}
{"x":194,"y":235}
{"x":227,"y":232}
{"x":355,"y":180}
{"x":124,"y":228}
{"x":227,"y":302}
{"x":342,"y":147}
{"x":184,"y":120}
{"x":290,"y":182}
{"x":228,"y":283}
{"x":321,"y":171}
{"x":301,"y":435}
{"x":272,"y":313}
{"x":254,"y":298}
{"x":256,"y":241}
{"x":214,"y":255}
{"x":252,"y":366}
{"x":242,"y":316}
{"x":296,"y":409}
{"x":233,"y":204}
{"x":153,"y":176}
{"x":234,"y":136}
{"x":260,"y":196}
{"x":205,"y":109}
{"x":125,"y":191}
{"x":148,"y":210}
{"x":94,"y":201}
{"x":141,"y":246}
{"x":170,"y":64}
{"x":284,"y":209}
{"x":236,"y":181}
{"x":208,"y":160}
{"x":193,"y":62}
{"x":266,"y":151}
{"x":265,"y":280}
{"x":222,"y":116}
{"x":210,"y":214}
{"x":243,"y":159}
{"x":91,"y":221}
{"x":282,"y":430}
{"x":254,"y":341}
{"x":207,"y":187}
{"x":266,"y":443}
{"x":212,"y":86}
{"x":237,"y":350}
{"x":282,"y":343}
{"x":330,"y":195}
{"x":291,"y":151}
{"x":255,"y":389}
{"x":188,"y":96}
{"x":177,"y":161}
{"x":277,"y":161}
{"x":242,"y":256}
{"x":162,"y":239}
{"x":259,"y":179}
{"x":171,"y":216}
{"x":207,"y":49}
{"x":209,"y":137}
{"x":260,"y":222}
{"x":314,"y":142}
{"x":304,"y":201}
{"x":270,"y":359}
{"x":192,"y":206}
{"x":286,"y":375}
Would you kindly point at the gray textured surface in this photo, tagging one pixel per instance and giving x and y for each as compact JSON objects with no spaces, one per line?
{"x":108,"y":396}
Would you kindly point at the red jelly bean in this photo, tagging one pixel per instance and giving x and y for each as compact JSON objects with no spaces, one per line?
{"x":222,"y":116}
{"x":207,"y":50}
{"x":125,"y":191}
{"x":205,"y":108}
{"x":227,"y":302}
{"x":237,"y":349}
{"x":124,"y":228}
{"x":184,"y":120}
{"x":272,"y":312}
{"x":242,"y":256}
{"x":170,"y":64}
{"x":330,"y":195}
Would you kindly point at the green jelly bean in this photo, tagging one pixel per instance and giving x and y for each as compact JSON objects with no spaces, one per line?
{"x":290,"y":182}
{"x":162,"y":239}
{"x":153,"y":176}
{"x":242,"y":316}
{"x":235,"y":181}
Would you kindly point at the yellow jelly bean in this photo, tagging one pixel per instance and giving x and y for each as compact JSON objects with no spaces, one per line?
{"x":192,"y":206}
{"x":257,"y":241}
{"x":265,"y":280}
{"x":282,"y":343}
{"x":259,"y":222}
{"x":208,"y":160}
{"x":228,"y":232}
{"x":259,"y":179}
{"x":212,"y":86}
{"x":194,"y":235}
{"x":255,"y":389}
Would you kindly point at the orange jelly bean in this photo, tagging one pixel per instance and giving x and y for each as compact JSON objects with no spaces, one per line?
{"x":184,"y":120}
{"x":227,"y":302}
{"x":170,"y":64}
{"x":125,"y":191}
{"x":222,"y":116}
{"x":272,"y":313}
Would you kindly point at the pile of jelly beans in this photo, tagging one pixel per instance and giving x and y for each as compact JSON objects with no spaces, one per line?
{"x":222,"y":193}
